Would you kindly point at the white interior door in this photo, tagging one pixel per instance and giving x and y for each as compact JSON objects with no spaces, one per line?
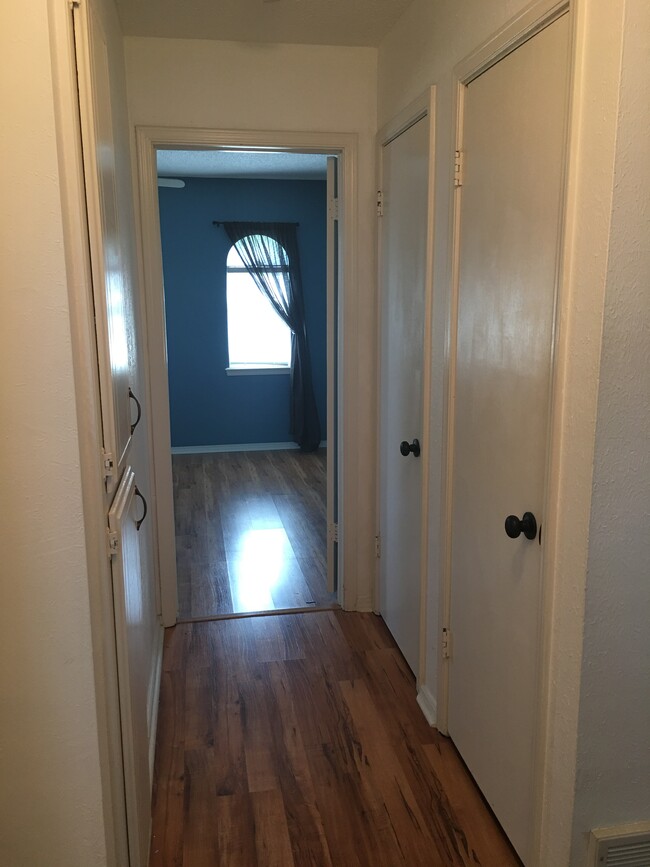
{"x":113,"y":312}
{"x":132,"y":657}
{"x":115,"y":337}
{"x":513,"y":145}
{"x":333,"y":282}
{"x":403,"y":238}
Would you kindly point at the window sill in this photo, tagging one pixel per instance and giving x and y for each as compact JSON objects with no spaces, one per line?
{"x":262,"y":370}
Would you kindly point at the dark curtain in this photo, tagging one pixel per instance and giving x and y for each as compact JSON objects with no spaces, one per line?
{"x":276,"y":271}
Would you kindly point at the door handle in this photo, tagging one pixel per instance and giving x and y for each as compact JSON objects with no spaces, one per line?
{"x":410,"y":448}
{"x":139,"y":408}
{"x":527,"y":525}
{"x":138,"y":523}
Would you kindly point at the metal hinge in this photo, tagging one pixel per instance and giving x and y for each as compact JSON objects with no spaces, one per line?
{"x":378,"y":546}
{"x":113,"y":542}
{"x":74,"y":4}
{"x":459,"y":161}
{"x":380,"y":203}
{"x":108,"y":464}
{"x":333,"y":532}
{"x":333,"y":209}
{"x":446,"y":643}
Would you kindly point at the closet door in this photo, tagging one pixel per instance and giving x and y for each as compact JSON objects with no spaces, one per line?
{"x":404,"y":229}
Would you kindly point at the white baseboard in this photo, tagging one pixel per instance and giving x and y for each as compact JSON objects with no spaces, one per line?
{"x":428,"y":705}
{"x":237,"y":447}
{"x":153,"y":699}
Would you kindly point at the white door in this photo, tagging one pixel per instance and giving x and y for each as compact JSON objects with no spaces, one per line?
{"x":115,"y":338}
{"x":124,"y":519}
{"x":513,"y":144}
{"x":403,"y":239}
{"x":333,"y":282}
{"x":113,"y":311}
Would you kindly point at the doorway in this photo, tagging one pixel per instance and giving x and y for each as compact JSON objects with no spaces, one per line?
{"x":326,"y":555}
{"x":248,"y":433}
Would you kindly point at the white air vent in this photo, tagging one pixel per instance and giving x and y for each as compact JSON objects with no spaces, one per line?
{"x":623,"y":846}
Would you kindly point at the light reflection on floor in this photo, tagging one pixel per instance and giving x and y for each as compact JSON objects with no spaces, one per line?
{"x":259,"y":569}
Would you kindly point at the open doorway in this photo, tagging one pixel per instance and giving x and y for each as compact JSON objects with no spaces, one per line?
{"x":307,"y":543}
{"x":254,"y":513}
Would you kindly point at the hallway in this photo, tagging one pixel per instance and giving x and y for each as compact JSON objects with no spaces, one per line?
{"x":295,"y":739}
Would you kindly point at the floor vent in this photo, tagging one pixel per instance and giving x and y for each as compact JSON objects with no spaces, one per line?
{"x":627,"y":846}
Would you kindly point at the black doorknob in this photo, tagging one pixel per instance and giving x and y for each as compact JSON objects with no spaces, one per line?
{"x":410,"y":448}
{"x":527,"y":525}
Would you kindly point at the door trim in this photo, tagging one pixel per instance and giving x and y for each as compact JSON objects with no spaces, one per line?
{"x":343,"y":145}
{"x":423,"y":106}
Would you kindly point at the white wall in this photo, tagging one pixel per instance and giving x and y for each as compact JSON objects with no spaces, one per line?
{"x":227,"y":85}
{"x":613,"y":778}
{"x":50,"y":790}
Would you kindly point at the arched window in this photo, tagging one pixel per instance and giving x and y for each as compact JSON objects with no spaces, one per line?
{"x":257,"y":337}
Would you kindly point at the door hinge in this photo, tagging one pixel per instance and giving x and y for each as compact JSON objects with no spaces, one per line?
{"x":74,"y":4}
{"x":459,"y":165}
{"x":446,"y":643}
{"x":333,"y":209}
{"x":333,"y":532}
{"x":113,"y":543}
{"x":108,"y":464}
{"x":378,"y":546}
{"x":380,"y":203}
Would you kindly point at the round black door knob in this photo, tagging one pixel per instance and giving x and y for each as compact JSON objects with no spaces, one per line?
{"x":410,"y":448}
{"x":527,"y":525}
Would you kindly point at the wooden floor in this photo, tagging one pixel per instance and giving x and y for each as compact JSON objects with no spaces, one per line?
{"x":294,"y":740}
{"x":251,"y":531}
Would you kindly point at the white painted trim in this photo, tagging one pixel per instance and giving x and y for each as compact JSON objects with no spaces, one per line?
{"x":153,"y":699}
{"x":345,"y":145}
{"x":84,"y":352}
{"x":422,"y":107}
{"x":427,"y":703}
{"x":507,"y":39}
{"x":239,"y":447}
{"x":257,"y":371}
{"x":333,"y":387}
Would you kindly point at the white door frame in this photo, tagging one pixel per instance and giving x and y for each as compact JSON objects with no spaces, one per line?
{"x":148,"y":140}
{"x":420,"y":108}
{"x":596,"y":36}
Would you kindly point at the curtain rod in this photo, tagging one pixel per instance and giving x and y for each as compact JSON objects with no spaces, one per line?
{"x":221,"y":222}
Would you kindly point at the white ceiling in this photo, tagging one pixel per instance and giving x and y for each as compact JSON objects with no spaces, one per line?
{"x":240,"y":164}
{"x":316,"y":22}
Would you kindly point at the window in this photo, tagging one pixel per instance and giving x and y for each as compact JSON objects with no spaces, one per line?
{"x":257,"y":336}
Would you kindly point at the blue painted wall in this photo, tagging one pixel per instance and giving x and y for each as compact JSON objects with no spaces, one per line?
{"x":207,"y":407}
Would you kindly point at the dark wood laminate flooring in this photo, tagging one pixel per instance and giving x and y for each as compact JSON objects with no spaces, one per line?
{"x":251,"y":530}
{"x":294,"y":740}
